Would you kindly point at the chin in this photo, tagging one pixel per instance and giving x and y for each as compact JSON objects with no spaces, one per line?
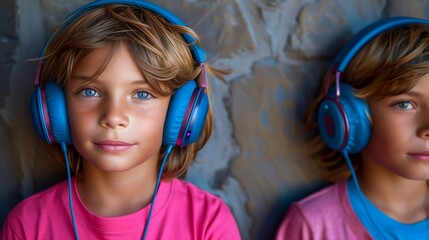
{"x":117,"y":165}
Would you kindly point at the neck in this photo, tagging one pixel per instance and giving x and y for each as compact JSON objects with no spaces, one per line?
{"x":117,"y":193}
{"x":402,"y":199}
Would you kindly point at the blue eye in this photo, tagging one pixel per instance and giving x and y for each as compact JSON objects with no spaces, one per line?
{"x":89,"y":92}
{"x":143,"y":95}
{"x":405,"y":105}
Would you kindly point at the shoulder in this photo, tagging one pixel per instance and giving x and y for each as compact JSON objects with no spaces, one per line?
{"x":209,"y":211}
{"x":27,"y":215}
{"x":197,"y":199}
{"x":319,"y":206}
{"x":327,"y":199}
{"x":192,"y":192}
{"x":38,"y":201}
{"x":326,"y":213}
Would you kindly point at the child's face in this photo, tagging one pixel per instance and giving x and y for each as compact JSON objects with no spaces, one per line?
{"x":399,"y":141}
{"x":117,"y":120}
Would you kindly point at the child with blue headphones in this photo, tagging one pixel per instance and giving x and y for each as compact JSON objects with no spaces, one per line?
{"x":373,"y":141}
{"x":122,"y":96}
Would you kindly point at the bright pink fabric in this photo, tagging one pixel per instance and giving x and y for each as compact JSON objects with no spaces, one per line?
{"x":326,"y":214}
{"x":181,"y":211}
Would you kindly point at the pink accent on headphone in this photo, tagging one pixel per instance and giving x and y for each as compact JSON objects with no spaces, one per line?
{"x":180,"y":138}
{"x":203,"y":76}
{"x":345,"y":121}
{"x":38,"y":70}
{"x":337,"y":74}
{"x":329,"y":125}
{"x":194,"y":117}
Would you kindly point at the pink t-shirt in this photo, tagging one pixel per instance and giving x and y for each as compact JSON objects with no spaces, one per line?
{"x":326,"y":214}
{"x":181,"y":211}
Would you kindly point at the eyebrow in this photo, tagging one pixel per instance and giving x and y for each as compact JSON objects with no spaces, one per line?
{"x":86,"y":78}
{"x":140,"y":82}
{"x":412,"y":93}
{"x":79,"y":77}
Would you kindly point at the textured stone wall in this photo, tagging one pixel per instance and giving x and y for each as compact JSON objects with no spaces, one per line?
{"x":257,"y":157}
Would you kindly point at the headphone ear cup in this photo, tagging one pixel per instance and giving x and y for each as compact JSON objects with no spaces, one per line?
{"x":344,"y":122}
{"x":57,"y":111}
{"x":188,"y":108}
{"x":49,"y":111}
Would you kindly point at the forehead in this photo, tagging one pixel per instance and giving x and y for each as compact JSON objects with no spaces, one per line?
{"x":421,"y":87}
{"x":108,"y":62}
{"x":416,"y":92}
{"x":95,"y":58}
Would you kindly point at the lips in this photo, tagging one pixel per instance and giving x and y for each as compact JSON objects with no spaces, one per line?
{"x":110,"y":146}
{"x":423,"y":156}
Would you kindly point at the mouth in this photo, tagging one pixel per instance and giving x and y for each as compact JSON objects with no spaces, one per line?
{"x":422,"y":156}
{"x":112,"y":146}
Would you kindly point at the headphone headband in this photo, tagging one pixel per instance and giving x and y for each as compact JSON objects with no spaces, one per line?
{"x":346,"y":55}
{"x":197,"y":52}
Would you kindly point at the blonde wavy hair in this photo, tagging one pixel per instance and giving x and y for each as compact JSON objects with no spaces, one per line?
{"x":390,"y":64}
{"x":159,"y":50}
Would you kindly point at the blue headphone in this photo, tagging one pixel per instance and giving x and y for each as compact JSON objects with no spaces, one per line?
{"x":343,"y":118}
{"x":188,"y":107}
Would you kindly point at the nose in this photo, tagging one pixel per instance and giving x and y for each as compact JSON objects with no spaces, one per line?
{"x":114,"y":114}
{"x":423,"y":130}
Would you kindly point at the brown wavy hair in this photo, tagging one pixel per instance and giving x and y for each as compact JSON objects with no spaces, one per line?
{"x":159,"y":49}
{"x":390,"y":64}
